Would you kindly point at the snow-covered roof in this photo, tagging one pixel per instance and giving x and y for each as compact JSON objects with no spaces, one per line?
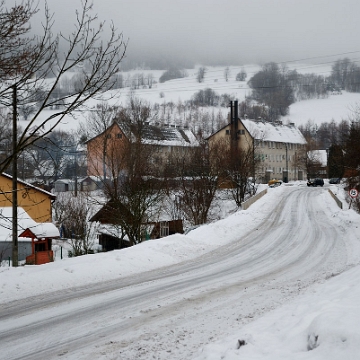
{"x":163,"y":136}
{"x":24,"y":222}
{"x":41,"y":230}
{"x":65,"y":181}
{"x":267,"y":131}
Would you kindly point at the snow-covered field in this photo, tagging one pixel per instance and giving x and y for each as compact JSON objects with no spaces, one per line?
{"x":312,"y":316}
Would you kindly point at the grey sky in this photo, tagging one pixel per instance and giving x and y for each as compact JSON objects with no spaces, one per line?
{"x":229,"y":31}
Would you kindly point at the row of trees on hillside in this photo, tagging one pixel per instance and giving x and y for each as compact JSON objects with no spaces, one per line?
{"x":275,"y":87}
{"x":345,"y":74}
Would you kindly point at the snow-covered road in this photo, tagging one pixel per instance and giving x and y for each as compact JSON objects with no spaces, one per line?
{"x":172,"y":312}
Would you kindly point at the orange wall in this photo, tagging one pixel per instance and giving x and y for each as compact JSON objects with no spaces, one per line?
{"x":35,"y":202}
{"x":114,"y":148}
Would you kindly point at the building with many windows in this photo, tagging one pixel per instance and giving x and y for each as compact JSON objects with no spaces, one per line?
{"x":280,"y":149}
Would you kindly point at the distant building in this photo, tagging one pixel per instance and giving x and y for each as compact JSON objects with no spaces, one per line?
{"x":88,"y":183}
{"x":280,"y":149}
{"x":112,"y":143}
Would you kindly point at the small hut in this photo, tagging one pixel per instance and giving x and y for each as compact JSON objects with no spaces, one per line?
{"x":41,"y":237}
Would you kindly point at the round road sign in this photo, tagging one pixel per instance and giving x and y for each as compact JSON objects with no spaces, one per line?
{"x":353,"y":193}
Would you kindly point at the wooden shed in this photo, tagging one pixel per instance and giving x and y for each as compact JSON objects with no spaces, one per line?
{"x":41,"y":241}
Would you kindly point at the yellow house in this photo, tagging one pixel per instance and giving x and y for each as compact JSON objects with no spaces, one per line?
{"x":35,"y":201}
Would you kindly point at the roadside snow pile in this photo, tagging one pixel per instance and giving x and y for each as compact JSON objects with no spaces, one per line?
{"x":321,"y":325}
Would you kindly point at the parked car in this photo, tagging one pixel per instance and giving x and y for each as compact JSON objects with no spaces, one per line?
{"x":334,"y":181}
{"x":315,"y":182}
{"x":274,"y":182}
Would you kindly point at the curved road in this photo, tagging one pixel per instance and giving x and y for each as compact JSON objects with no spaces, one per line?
{"x":174,"y":311}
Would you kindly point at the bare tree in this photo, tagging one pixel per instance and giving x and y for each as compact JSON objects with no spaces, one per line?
{"x":133,"y":187}
{"x":227,"y":73}
{"x":73,"y":214}
{"x":237,"y":165}
{"x":98,"y":121}
{"x":241,"y":76}
{"x":197,"y":182}
{"x":27,"y":63}
{"x":201,"y":74}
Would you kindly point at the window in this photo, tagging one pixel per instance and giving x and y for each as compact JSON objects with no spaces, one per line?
{"x":108,"y":136}
{"x":118,"y":135}
{"x":227,"y":132}
{"x":164,"y":228}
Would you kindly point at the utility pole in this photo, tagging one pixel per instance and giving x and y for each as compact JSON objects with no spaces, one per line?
{"x":76,"y":177}
{"x":286,"y":177}
{"x":15,"y":250}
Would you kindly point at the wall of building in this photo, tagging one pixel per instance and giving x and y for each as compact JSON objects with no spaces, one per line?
{"x":36,"y":203}
{"x":274,"y":157}
{"x":112,"y":142}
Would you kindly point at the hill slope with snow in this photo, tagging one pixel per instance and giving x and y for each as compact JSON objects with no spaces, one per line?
{"x":335,"y":107}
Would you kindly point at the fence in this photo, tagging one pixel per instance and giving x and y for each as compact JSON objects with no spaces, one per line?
{"x":339,"y":203}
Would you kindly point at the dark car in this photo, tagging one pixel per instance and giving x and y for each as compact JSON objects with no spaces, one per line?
{"x":315,"y":182}
{"x":334,"y":181}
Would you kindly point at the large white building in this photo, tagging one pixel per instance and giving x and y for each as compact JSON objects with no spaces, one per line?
{"x":280,"y":149}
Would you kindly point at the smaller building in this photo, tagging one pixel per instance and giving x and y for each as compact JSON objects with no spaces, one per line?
{"x":88,"y":183}
{"x":41,"y":237}
{"x":111,"y":236}
{"x":32,"y":236}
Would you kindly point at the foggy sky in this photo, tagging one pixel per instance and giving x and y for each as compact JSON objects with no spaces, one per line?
{"x":228,"y":32}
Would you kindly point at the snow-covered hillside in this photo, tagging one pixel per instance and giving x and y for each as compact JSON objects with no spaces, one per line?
{"x":335,"y":107}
